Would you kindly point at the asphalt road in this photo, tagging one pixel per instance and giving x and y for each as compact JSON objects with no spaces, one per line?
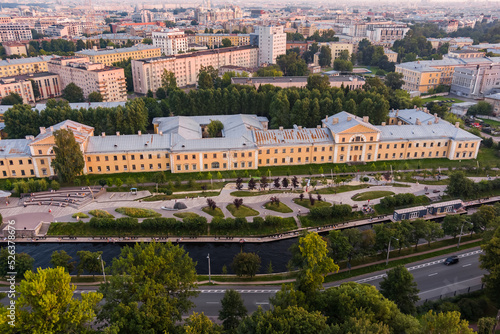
{"x":434,"y":279}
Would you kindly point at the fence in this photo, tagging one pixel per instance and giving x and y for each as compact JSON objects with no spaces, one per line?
{"x":452,"y":294}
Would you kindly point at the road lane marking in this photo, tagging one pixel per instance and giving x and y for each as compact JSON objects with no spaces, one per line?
{"x":262,"y":303}
{"x":449,"y":285}
{"x":212,"y":302}
{"x":466,"y":265}
{"x":433,"y":274}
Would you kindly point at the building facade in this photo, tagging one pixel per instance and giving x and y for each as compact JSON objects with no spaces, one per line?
{"x":11,"y":67}
{"x":494,"y":100}
{"x":20,"y":86}
{"x":14,"y":48}
{"x":211,"y":40}
{"x":147,"y":73}
{"x":181,"y":145}
{"x":476,"y":81}
{"x":91,"y":77}
{"x":272,"y":43}
{"x":15,"y":32}
{"x":110,"y":56}
{"x":170,"y":41}
{"x":353,"y":82}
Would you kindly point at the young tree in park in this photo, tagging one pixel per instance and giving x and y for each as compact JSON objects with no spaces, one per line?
{"x":238,"y":202}
{"x":62,"y":259}
{"x":12,"y":99}
{"x":161,"y":93}
{"x":46,"y":305}
{"x":394,"y":80}
{"x":461,"y":186}
{"x":264,"y":182}
{"x":211,"y":204}
{"x":89,"y":262}
{"x":246,"y":264}
{"x":239,"y":183}
{"x":95,"y":97}
{"x":490,"y":260}
{"x":285,"y":182}
{"x":311,"y":199}
{"x":214,"y":128}
{"x":295,"y":182}
{"x":252,"y":184}
{"x":277,"y":183}
{"x":445,"y":323}
{"x":433,"y":232}
{"x":486,"y":325}
{"x":168,"y":80}
{"x":311,"y":257}
{"x":233,"y":310}
{"x":72,"y":93}
{"x":149,"y":289}
{"x":68,"y":162}
{"x":400,"y":287}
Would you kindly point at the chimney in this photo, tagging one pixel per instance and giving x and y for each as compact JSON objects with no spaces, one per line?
{"x":160,"y":133}
{"x":139,"y":132}
{"x":397,"y":113}
{"x":400,"y":123}
{"x":281,"y":128}
{"x":365,"y":119}
{"x":415,"y":106}
{"x":300,"y":127}
{"x":324,"y":125}
{"x":429,"y":123}
{"x":335,"y":120}
{"x":435,"y":115}
{"x":42,"y":130}
{"x":417,"y":122}
{"x":103,"y":134}
{"x":51,"y":129}
{"x":349,"y":118}
{"x":457,"y":124}
{"x":318,"y":126}
{"x":383,"y":123}
{"x":326,"y":120}
{"x":436,"y":120}
{"x":117,"y":133}
{"x":425,"y":110}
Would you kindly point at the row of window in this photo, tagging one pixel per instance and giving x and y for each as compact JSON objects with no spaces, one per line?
{"x":14,"y":173}
{"x":299,"y":150}
{"x":215,"y":155}
{"x":423,"y":145}
{"x":125,"y":167}
{"x":11,"y":162}
{"x":215,"y":165}
{"x":299,"y":160}
{"x":124,"y":157}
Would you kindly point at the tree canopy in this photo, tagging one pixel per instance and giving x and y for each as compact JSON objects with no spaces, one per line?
{"x":68,"y":162}
{"x":400,"y":287}
{"x":72,"y":93}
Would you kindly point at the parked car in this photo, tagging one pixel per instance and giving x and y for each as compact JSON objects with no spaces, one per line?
{"x":451,"y":260}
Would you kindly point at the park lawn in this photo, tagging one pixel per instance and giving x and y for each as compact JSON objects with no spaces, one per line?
{"x":101,"y":214}
{"x":138,"y":212}
{"x":307,"y":204}
{"x":490,"y":121}
{"x":178,"y":196}
{"x":214,"y":213}
{"x":242,"y":212}
{"x":80,"y":215}
{"x":371,"y":195}
{"x":245,"y":193}
{"x":283,"y":208}
{"x":340,"y":189}
{"x":186,"y":215}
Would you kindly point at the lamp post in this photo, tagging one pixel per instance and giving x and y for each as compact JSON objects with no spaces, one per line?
{"x":102,"y":264}
{"x":209,"y":274}
{"x":460,"y":237}
{"x":389,"y":249}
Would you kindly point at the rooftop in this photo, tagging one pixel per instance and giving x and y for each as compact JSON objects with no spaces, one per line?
{"x":81,"y":131}
{"x":14,"y":148}
{"x":22,"y":61}
{"x":127,"y":143}
{"x":84,"y":105}
{"x":292,"y":136}
{"x":138,"y":47}
{"x":198,"y":53}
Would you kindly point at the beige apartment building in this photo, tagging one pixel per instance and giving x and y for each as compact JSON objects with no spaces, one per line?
{"x":110,"y":56}
{"x":15,"y":32}
{"x":170,"y":41}
{"x":180,"y":144}
{"x":10,"y":67}
{"x":17,"y":85}
{"x":211,"y":40}
{"x":147,"y":72}
{"x":91,"y":77}
{"x":14,"y":48}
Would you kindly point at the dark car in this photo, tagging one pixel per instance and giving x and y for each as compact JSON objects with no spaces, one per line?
{"x":451,"y":260}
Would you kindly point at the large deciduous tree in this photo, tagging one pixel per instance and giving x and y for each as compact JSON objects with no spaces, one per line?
{"x":246,"y":264}
{"x":21,"y":120}
{"x":214,"y":128}
{"x":12,"y":99}
{"x":46,"y":305}
{"x":68,"y":162}
{"x":62,"y":259}
{"x":232,"y":310}
{"x":73,"y":93}
{"x":95,"y":97}
{"x":490,"y":260}
{"x":400,"y":287}
{"x":445,"y":323}
{"x":149,"y":289}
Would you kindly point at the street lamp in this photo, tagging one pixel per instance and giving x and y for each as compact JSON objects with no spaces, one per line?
{"x":209,"y":276}
{"x":102,"y":264}
{"x":389,"y":249}
{"x":461,"y":230}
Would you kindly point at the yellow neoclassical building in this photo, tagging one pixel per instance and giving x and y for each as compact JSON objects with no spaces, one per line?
{"x":181,"y":144}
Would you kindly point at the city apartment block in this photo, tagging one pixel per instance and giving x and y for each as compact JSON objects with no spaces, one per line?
{"x":110,"y":56}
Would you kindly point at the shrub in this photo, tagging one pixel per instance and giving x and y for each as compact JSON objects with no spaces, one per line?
{"x":80,"y":215}
{"x":138,"y":212}
{"x":101,"y":214}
